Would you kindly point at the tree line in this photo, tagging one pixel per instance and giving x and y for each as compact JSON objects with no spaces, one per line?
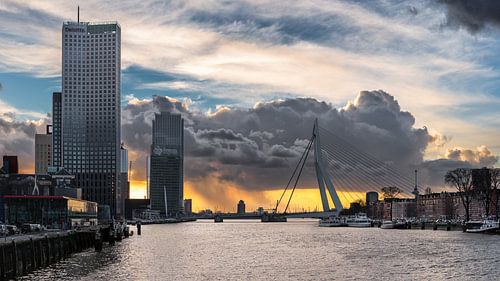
{"x":481,"y":184}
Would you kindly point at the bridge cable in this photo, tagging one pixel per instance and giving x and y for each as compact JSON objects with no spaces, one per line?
{"x":308,"y":147}
{"x":298,"y":176}
{"x":373,"y":163}
{"x":387,"y":168}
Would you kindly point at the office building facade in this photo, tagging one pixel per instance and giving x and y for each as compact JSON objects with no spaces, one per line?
{"x":188,"y":206}
{"x":90,"y":109}
{"x":43,"y":152}
{"x":123,"y":188}
{"x":241,"y":207}
{"x":166,"y":164}
{"x":56,"y":129}
{"x":10,"y":164}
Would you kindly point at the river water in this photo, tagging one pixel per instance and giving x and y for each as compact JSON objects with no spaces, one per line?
{"x":296,"y":250}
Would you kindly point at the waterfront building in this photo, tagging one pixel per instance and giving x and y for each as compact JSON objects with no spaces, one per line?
{"x":403,"y":208}
{"x":241,"y":207}
{"x":448,"y":205}
{"x":371,"y":203}
{"x":122,"y":192}
{"x":89,"y":126}
{"x":43,"y":152}
{"x":188,"y":206}
{"x":166,"y":168}
{"x":60,"y":183}
{"x":135,"y":205}
{"x":371,"y":197}
{"x":50,"y":211}
{"x":10,"y":164}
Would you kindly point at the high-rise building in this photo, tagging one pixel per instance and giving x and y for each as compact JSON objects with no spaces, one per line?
{"x":122,"y":192}
{"x":371,"y":197}
{"x":56,"y":129}
{"x":43,"y":151}
{"x":90,"y":108}
{"x":241,"y":207}
{"x":166,"y":168}
{"x":188,"y":206}
{"x":10,"y":164}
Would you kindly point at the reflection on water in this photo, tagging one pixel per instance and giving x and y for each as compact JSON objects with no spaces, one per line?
{"x":297,"y":250}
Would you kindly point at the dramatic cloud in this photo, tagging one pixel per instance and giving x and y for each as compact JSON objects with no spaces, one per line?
{"x":257,"y":148}
{"x":17,"y":138}
{"x":473,"y":15}
{"x":481,"y":157}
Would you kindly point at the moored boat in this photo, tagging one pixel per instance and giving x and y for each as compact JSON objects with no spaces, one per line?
{"x":488,"y":226}
{"x":394,"y":224}
{"x":272,"y":217}
{"x":332,"y":222}
{"x":359,"y":220}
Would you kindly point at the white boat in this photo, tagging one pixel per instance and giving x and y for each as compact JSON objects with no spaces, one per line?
{"x":387,"y":225}
{"x":359,"y":220}
{"x":332,"y":222}
{"x":394,"y":224}
{"x":488,"y":225}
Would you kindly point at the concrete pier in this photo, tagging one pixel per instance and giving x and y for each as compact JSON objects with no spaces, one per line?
{"x":22,"y":255}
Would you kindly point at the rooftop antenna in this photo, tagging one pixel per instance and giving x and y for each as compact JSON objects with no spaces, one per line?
{"x":78,"y":15}
{"x":415,"y":190}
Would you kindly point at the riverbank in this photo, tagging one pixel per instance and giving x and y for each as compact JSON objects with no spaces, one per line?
{"x":23,"y":254}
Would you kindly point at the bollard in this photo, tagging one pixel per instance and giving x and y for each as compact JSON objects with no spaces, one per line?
{"x":97,"y":242}
{"x":4,"y":265}
{"x":448,"y":227}
{"x":138,"y":228}
{"x":14,"y":261}
{"x":435,"y":227}
{"x":422,"y":226}
{"x":33,"y":260}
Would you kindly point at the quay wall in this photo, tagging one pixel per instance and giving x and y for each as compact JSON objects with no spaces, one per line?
{"x":26,"y":254}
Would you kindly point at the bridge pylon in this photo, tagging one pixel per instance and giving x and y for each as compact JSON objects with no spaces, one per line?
{"x":322,"y":175}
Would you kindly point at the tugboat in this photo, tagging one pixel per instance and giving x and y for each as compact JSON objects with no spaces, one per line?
{"x":272,"y":217}
{"x":359,"y":220}
{"x":218,"y":218}
{"x":332,"y":222}
{"x":488,"y":226}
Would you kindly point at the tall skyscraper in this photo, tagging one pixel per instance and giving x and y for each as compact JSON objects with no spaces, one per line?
{"x":43,"y":151}
{"x":122,"y":192}
{"x":56,"y":129}
{"x":166,"y":168}
{"x":90,"y":99}
{"x":241,"y":207}
{"x":10,"y":164}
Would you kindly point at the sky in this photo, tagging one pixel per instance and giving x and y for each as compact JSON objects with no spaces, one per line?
{"x":416,"y":83}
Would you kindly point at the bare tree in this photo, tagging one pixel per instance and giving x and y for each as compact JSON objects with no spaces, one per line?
{"x":495,"y":185}
{"x":483,"y":190}
{"x":461,"y":179}
{"x":390,"y":191}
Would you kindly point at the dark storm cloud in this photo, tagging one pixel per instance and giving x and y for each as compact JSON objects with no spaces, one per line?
{"x":473,"y":15}
{"x":17,"y":138}
{"x":257,"y":148}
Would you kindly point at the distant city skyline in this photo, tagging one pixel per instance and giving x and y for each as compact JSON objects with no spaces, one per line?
{"x":416,"y":83}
